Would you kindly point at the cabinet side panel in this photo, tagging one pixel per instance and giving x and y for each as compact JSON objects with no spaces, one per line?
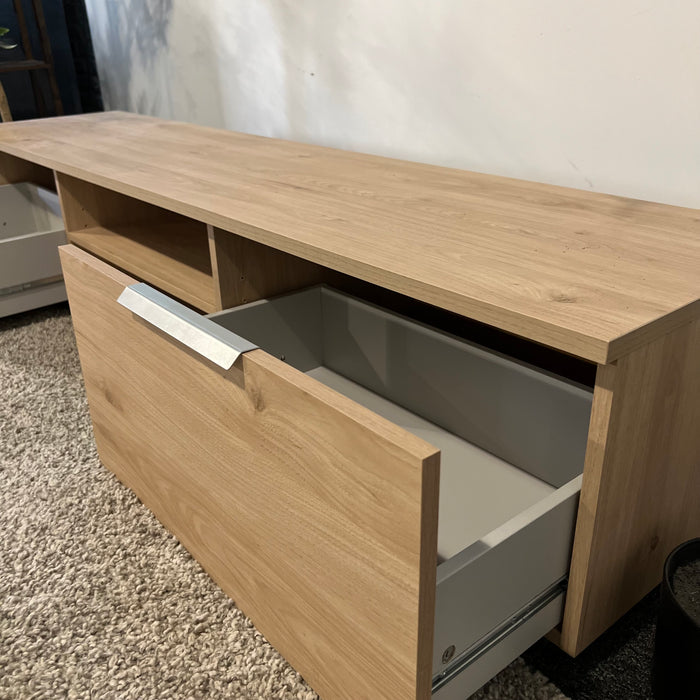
{"x":641,"y":483}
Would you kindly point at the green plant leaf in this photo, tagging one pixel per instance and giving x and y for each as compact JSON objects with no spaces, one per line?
{"x":6,"y":43}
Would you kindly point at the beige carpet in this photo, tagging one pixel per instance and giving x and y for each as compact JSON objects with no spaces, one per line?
{"x":96,"y":599}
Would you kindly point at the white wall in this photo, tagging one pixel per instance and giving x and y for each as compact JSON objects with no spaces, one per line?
{"x":595,"y":94}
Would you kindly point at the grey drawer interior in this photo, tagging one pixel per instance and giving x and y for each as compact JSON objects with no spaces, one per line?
{"x":512,"y":441}
{"x":510,"y":435}
{"x":31,"y":229}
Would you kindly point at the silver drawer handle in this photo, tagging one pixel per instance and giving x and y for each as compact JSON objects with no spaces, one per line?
{"x":202,"y":335}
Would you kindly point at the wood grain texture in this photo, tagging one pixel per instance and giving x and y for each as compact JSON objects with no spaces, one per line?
{"x":165,"y":249}
{"x":19,"y":170}
{"x":173,"y":257}
{"x":5,"y":113}
{"x":247,"y":271}
{"x":641,"y":484}
{"x":593,"y":275}
{"x":85,"y":205}
{"x":315,"y":515}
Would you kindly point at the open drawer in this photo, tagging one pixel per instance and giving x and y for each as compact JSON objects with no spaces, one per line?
{"x":293,"y":445}
{"x":31,"y":230}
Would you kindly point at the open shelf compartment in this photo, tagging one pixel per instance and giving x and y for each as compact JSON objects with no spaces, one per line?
{"x":165,"y":249}
{"x":31,"y":230}
{"x":15,"y":170}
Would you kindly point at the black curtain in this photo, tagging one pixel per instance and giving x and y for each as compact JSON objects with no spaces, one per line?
{"x":73,"y":56}
{"x":83,"y":55}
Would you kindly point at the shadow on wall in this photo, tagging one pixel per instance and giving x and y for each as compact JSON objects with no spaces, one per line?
{"x":260,"y":67}
{"x":133,"y":27}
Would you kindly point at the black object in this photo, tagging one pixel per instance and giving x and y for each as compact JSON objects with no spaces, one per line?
{"x":78,"y":28}
{"x":676,"y":672}
{"x":29,"y":63}
{"x":617,"y":666}
{"x":73,"y":57}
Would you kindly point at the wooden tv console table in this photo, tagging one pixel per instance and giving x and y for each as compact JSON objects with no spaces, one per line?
{"x":297,"y":480}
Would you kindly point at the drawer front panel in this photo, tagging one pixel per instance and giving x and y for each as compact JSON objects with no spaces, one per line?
{"x":316,"y":516}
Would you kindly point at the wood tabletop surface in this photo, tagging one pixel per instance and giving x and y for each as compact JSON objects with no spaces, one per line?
{"x":590,"y":274}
